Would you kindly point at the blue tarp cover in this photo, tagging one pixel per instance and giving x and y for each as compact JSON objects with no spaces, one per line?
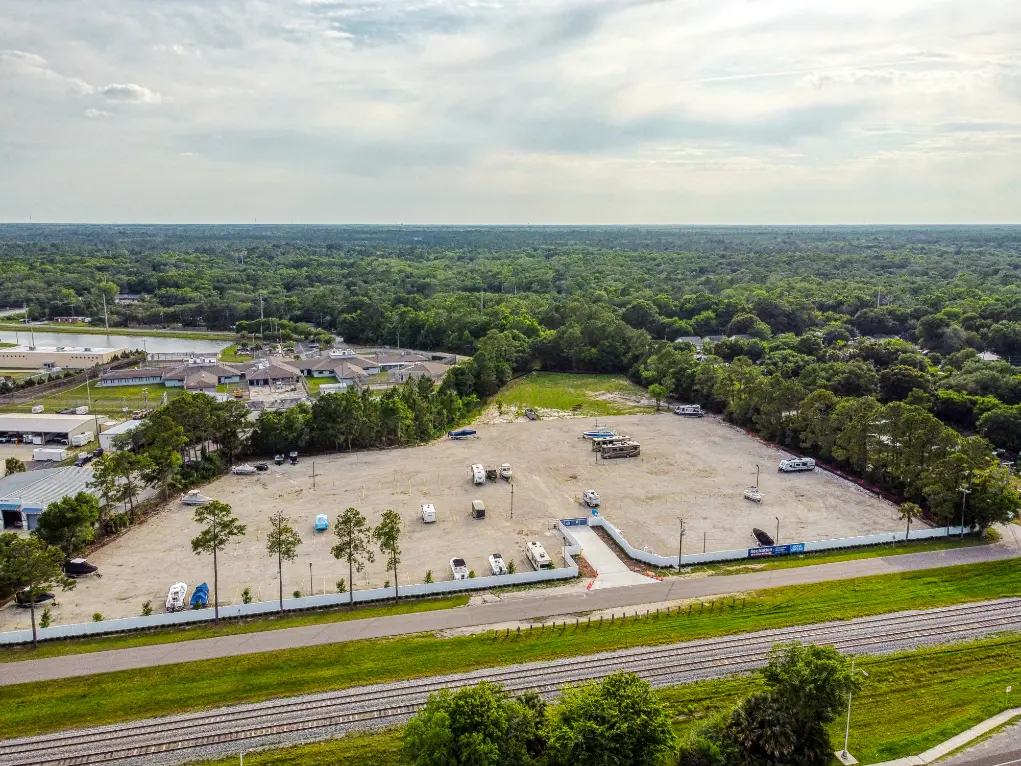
{"x":200,"y":597}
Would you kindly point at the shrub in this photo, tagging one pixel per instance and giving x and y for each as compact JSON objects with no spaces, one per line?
{"x":386,"y":584}
{"x":97,"y":617}
{"x":296,"y":594}
{"x":246,"y":596}
{"x":147,"y":608}
{"x":511,"y":567}
{"x":428,"y":576}
{"x":342,"y":585}
{"x":471,"y":574}
{"x":46,"y":618}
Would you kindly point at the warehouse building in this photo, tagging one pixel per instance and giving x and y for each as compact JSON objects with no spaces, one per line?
{"x":46,"y":429}
{"x":23,"y":496}
{"x":51,"y":357}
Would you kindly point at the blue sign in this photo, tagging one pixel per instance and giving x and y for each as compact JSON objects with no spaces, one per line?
{"x":758,"y":553}
{"x":582,"y":522}
{"x":797,"y":547}
{"x":775,"y":550}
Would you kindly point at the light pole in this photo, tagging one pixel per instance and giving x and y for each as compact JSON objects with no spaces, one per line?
{"x":844,"y":756}
{"x":680,"y":547}
{"x":964,"y":504}
{"x":756,"y":476}
{"x":310,"y":591}
{"x":777,"y":542}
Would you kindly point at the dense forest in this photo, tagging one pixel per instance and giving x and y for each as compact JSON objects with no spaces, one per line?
{"x":874,"y":348}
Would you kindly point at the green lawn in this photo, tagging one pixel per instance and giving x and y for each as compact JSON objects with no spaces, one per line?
{"x":314,"y":383}
{"x":826,"y":557}
{"x":910,"y":702}
{"x":7,"y":345}
{"x":558,"y":391}
{"x":48,"y":706}
{"x":230,"y":354}
{"x":227,"y":628}
{"x":106,"y":400}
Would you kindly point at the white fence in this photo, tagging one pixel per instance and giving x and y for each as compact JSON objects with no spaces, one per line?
{"x":126,"y":624}
{"x":767,"y":551}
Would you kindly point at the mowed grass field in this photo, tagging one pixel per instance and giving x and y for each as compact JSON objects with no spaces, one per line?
{"x":561,"y":391}
{"x":36,"y":708}
{"x":910,"y":702}
{"x":106,"y":400}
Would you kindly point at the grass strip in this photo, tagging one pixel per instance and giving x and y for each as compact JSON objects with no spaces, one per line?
{"x":90,"y":330}
{"x":35,"y":708}
{"x":226,"y":628}
{"x":911,"y":701}
{"x":561,"y":391}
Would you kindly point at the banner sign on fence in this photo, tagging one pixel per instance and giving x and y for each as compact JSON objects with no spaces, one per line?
{"x":582,"y":522}
{"x":775,"y":550}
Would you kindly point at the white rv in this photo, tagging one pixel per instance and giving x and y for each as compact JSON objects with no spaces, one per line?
{"x":590,"y":497}
{"x":796,"y":464}
{"x":689,"y":410}
{"x":175,"y":597}
{"x":459,"y":569}
{"x":537,"y":555}
{"x":478,"y":474}
{"x":80,"y":440}
{"x":497,"y":564}
{"x":428,"y":513}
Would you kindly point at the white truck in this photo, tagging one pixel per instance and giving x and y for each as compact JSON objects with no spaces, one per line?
{"x":428,"y":513}
{"x":478,"y":474}
{"x":80,"y":440}
{"x":459,"y":569}
{"x":796,"y":464}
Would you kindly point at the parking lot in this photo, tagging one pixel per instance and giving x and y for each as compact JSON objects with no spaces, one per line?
{"x":690,"y":468}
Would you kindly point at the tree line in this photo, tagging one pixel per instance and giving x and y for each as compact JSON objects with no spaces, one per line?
{"x":621,"y":720}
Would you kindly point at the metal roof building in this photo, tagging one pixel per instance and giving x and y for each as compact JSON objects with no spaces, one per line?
{"x":23,"y":496}
{"x":39,"y":428}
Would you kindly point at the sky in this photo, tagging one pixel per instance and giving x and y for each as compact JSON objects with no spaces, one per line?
{"x":527,"y":111}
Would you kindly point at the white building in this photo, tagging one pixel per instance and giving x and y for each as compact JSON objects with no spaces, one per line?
{"x":44,"y":429}
{"x":64,"y":357}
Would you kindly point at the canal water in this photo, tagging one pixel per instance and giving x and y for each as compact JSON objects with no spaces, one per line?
{"x":150,"y":344}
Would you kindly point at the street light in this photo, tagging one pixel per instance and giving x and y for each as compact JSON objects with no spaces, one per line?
{"x":964,"y":504}
{"x":777,"y":529}
{"x":844,"y":756}
{"x":680,"y":546}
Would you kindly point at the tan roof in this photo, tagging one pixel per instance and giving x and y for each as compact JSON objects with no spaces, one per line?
{"x":392,"y":358}
{"x":201,"y":379}
{"x":428,"y":368}
{"x":185,"y":370}
{"x":360,"y":361}
{"x":273,"y":371}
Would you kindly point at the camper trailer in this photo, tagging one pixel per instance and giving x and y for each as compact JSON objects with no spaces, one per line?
{"x":624,"y":449}
{"x":796,"y":464}
{"x":591,"y":498}
{"x":428,"y":513}
{"x":537,"y":556}
{"x":497,"y":565}
{"x":459,"y":569}
{"x":689,"y":410}
{"x":478,"y":474}
{"x":478,"y":509}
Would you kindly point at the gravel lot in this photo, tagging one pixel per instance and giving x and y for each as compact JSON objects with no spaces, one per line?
{"x":695,"y":468}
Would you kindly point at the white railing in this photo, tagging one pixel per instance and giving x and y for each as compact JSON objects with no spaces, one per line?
{"x":229,"y":611}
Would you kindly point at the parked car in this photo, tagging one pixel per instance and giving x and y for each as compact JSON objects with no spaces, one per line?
{"x":530,"y":414}
{"x":83,"y":459}
{"x":294,"y":458}
{"x":278,"y":459}
{"x":98,"y":452}
{"x":261,"y":467}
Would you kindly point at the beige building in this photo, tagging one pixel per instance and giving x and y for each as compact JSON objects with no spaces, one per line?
{"x":48,"y":357}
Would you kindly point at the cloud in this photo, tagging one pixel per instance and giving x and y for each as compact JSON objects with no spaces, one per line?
{"x":128,"y":92}
{"x":97,"y":114}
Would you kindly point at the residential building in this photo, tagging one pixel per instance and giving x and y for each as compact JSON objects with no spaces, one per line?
{"x":270,"y":372}
{"x":202,"y":376}
{"x":143,"y":377}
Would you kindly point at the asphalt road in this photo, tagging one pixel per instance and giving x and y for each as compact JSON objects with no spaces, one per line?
{"x":1001,"y":749}
{"x":530,"y":605}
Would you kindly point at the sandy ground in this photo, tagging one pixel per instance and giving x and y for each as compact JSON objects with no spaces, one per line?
{"x":695,"y":468}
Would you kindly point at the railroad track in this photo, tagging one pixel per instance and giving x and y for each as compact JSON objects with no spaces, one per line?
{"x":172,"y":739}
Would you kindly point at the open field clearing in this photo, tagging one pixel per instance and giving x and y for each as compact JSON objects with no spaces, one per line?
{"x":35,"y":708}
{"x":691,"y":468}
{"x":591,"y":394}
{"x":105,"y":400}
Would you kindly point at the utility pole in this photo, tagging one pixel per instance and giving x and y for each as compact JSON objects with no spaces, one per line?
{"x":261,"y":334}
{"x":106,"y":316}
{"x":680,"y":547}
{"x":777,"y":541}
{"x":964,"y":504}
{"x":512,"y":501}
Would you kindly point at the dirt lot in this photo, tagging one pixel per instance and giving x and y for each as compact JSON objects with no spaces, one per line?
{"x":691,"y":468}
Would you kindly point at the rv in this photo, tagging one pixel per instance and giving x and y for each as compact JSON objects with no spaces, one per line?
{"x":597,"y":444}
{"x":689,"y":410}
{"x":459,"y":569}
{"x":505,"y":472}
{"x":478,"y":474}
{"x":478,"y":509}
{"x":80,"y":440}
{"x":537,"y":555}
{"x":428,"y":513}
{"x":497,"y":564}
{"x":796,"y":464}
{"x":624,"y":449}
{"x":176,"y":596}
{"x":591,"y":498}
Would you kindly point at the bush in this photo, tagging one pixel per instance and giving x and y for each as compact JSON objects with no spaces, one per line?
{"x":428,"y":576}
{"x":97,"y":617}
{"x":46,"y":618}
{"x":471,"y":574}
{"x":296,"y":594}
{"x":386,"y":584}
{"x":246,"y":596}
{"x":147,"y":608}
{"x":511,"y":567}
{"x":342,"y":585}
